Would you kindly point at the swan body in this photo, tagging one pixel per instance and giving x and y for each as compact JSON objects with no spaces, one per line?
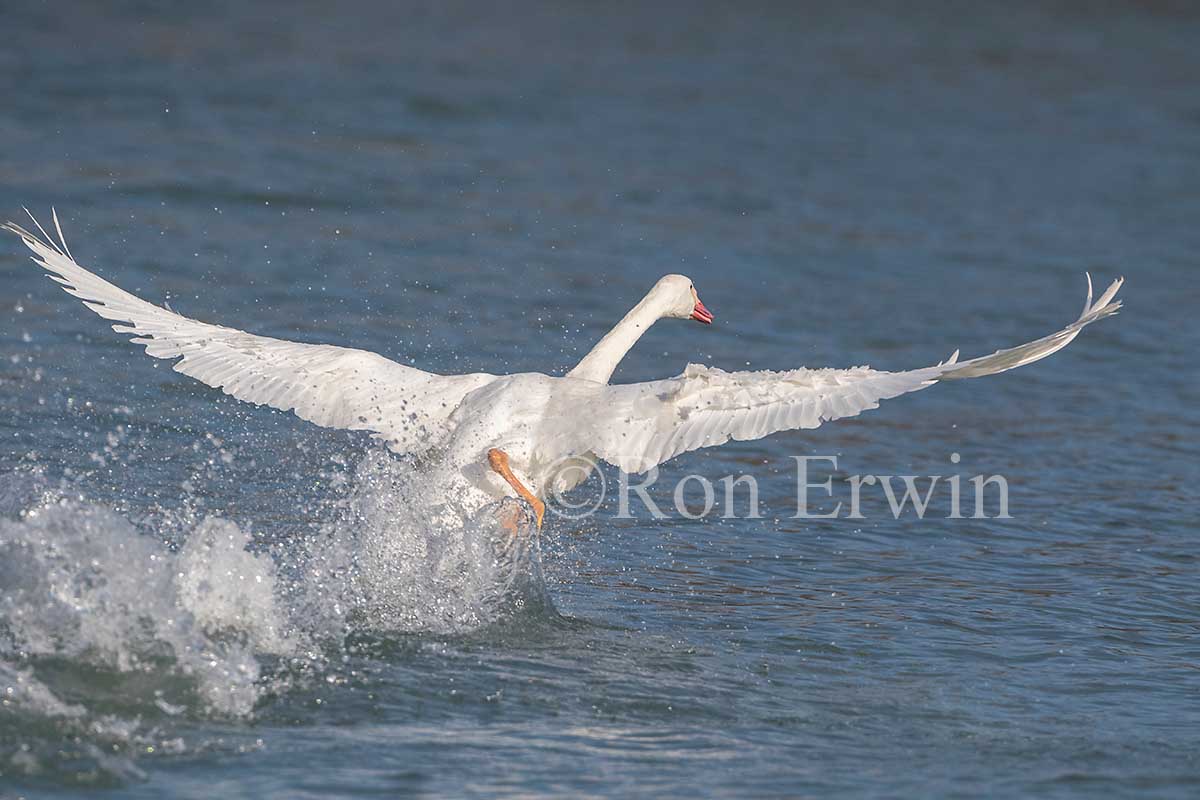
{"x":551,"y":430}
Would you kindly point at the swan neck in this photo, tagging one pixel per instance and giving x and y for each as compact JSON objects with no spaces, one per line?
{"x":599,"y":364}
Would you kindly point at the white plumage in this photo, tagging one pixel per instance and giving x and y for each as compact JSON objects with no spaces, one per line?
{"x":337,"y":387}
{"x":540,"y":421}
{"x":641,"y":425}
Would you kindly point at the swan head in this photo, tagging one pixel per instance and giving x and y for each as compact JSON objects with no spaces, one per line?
{"x":679,"y":299}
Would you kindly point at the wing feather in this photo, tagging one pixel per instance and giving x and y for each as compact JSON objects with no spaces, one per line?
{"x":336,"y":387}
{"x":638,"y":426}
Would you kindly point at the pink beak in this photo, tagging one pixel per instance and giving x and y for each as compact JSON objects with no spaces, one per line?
{"x":702,"y":314}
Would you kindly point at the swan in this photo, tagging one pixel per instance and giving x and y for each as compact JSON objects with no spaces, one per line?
{"x":528,"y":434}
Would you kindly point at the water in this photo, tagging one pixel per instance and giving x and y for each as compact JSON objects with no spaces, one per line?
{"x":199,"y":597}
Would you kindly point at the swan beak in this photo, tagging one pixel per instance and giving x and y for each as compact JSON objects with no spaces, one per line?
{"x":702,"y":314}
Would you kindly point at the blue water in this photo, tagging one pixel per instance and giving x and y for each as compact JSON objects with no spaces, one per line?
{"x":197,"y":597}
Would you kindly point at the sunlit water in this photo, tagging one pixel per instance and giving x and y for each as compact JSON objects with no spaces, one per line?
{"x":199,"y":598}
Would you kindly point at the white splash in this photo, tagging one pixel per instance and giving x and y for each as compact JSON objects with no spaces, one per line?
{"x":218,"y":623}
{"x":80,"y":583}
{"x":393,"y":561}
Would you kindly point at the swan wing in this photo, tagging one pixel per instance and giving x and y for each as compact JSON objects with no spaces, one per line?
{"x":336,"y":387}
{"x":638,"y":426}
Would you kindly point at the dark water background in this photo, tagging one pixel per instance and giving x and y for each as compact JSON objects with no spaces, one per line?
{"x":462,"y":188}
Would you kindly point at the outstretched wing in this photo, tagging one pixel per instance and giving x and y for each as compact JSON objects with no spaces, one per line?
{"x":638,"y":426}
{"x":337,"y":387}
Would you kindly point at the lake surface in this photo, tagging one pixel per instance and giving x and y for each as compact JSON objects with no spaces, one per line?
{"x":201,"y":598}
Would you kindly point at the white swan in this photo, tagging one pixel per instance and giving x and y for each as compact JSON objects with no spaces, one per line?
{"x":493,"y":436}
